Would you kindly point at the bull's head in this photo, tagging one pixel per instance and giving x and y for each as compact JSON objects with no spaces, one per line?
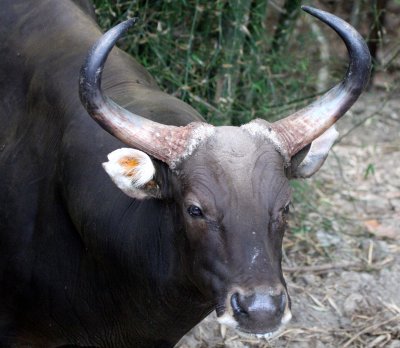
{"x":230,"y":184}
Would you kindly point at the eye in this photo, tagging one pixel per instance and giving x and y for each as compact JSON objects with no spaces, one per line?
{"x":194,"y":211}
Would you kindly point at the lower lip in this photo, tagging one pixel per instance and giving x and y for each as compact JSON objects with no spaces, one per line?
{"x":266,"y":336}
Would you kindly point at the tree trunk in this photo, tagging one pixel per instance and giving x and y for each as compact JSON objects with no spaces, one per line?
{"x":377,"y":19}
{"x":236,"y":17}
{"x":286,"y":24}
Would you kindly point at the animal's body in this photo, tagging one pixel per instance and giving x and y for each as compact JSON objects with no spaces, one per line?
{"x":77,"y":256}
{"x":83,"y":264}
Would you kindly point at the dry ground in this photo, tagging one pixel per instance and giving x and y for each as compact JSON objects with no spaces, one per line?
{"x":342,"y":252}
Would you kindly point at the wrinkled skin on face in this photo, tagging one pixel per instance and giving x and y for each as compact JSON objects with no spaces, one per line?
{"x":234,"y":198}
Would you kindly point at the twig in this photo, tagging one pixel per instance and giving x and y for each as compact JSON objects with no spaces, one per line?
{"x":375,"y":326}
{"x":201,"y":101}
{"x":349,"y":264}
{"x":341,"y":173}
{"x":321,"y":268}
{"x":277,"y":7}
{"x":358,"y":124}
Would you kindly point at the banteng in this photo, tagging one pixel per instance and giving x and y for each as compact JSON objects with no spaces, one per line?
{"x":193,"y":217}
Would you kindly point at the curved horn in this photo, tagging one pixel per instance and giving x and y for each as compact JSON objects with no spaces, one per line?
{"x":166,"y":143}
{"x":298,"y":130}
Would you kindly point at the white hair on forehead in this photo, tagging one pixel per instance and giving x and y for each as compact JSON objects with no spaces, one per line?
{"x":198,"y":136}
{"x":267,"y":133}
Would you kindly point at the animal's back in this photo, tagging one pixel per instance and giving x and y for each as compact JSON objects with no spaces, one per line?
{"x":41,"y":53}
{"x":53,"y":189}
{"x":43,"y":44}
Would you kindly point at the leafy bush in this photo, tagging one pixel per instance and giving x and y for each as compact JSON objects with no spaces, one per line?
{"x":218,"y":56}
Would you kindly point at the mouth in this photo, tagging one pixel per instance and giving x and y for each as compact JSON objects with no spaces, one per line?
{"x":266,"y":335}
{"x":227,"y":320}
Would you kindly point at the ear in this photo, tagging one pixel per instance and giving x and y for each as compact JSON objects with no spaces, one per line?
{"x":133,"y":172}
{"x":305,"y":163}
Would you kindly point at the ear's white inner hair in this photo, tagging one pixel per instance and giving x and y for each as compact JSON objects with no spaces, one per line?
{"x":129,"y":168}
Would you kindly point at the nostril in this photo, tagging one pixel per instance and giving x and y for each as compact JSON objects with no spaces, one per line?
{"x":237,"y":306}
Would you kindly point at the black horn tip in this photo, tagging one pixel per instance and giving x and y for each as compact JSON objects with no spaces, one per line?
{"x":309,"y":9}
{"x":91,"y":71}
{"x":324,"y":16}
{"x":125,"y":25}
{"x":103,"y":46}
{"x":360,"y":58}
{"x":316,"y":12}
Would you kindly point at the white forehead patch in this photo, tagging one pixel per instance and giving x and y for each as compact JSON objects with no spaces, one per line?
{"x":255,"y":128}
{"x":199,"y":134}
{"x":129,"y":169}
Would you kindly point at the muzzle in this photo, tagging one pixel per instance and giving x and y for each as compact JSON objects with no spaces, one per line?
{"x":260,"y":312}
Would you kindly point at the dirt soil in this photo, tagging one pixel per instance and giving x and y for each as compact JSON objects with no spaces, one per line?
{"x":342,"y":250}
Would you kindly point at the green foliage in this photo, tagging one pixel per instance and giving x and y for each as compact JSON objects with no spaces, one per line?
{"x":216,"y":55}
{"x":370,"y":170}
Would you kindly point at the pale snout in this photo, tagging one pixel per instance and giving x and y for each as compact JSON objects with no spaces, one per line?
{"x":260,"y":312}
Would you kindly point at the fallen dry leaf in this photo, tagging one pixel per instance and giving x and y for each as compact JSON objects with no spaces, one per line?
{"x":376,"y":228}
